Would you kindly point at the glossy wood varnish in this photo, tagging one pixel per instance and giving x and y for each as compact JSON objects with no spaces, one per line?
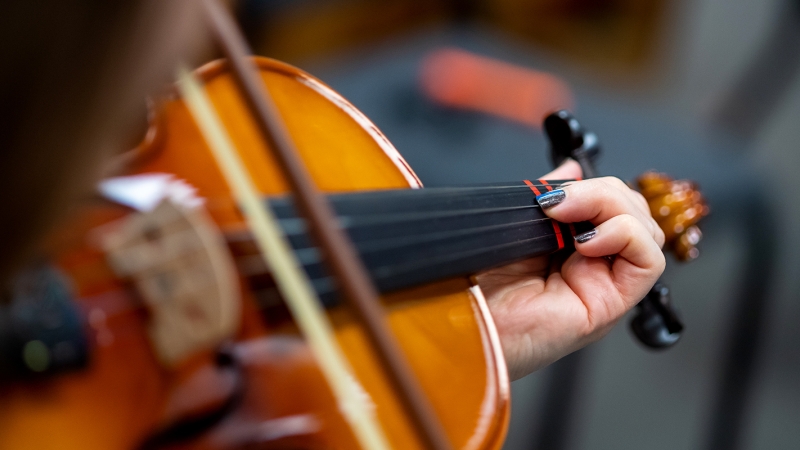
{"x":124,"y":395}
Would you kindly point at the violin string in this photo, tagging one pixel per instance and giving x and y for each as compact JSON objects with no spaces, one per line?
{"x":390,"y":245}
{"x":393,"y":237}
{"x":296,"y":226}
{"x":395,"y":242}
{"x":443,"y":259}
{"x":446,"y":193}
{"x":460,"y":257}
{"x":388,"y":231}
{"x":290,"y":278}
{"x":364,"y":248}
{"x":386,"y":278}
{"x":293,"y":226}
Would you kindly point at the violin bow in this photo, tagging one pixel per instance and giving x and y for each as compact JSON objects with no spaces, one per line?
{"x":338,"y":251}
{"x":289,"y":276}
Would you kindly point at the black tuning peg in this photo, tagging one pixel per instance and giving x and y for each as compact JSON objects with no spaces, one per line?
{"x":568,"y":139}
{"x":656,"y":323}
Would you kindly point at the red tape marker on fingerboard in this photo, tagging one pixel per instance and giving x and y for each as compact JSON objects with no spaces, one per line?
{"x":557,"y":229}
{"x":533,"y":187}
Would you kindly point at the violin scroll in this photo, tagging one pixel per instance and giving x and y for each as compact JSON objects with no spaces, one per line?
{"x":677,"y":206}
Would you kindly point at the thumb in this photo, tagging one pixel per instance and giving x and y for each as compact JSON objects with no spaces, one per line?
{"x":568,"y":170}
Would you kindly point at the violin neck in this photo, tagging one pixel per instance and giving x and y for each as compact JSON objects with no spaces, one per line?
{"x":410,"y":237}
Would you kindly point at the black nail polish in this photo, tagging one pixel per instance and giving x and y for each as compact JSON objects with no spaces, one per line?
{"x":550,"y":199}
{"x":583,"y":237}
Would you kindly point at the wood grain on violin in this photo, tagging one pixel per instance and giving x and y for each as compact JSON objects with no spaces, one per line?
{"x":130,"y":391}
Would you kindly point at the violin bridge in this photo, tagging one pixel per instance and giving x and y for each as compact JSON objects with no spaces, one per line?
{"x":177,"y":259}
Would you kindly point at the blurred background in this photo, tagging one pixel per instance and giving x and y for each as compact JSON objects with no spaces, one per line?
{"x":700,"y":89}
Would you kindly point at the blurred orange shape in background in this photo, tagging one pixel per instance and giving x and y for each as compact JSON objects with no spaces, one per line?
{"x":460,"y":79}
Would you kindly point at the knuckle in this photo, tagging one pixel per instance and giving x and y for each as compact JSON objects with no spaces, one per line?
{"x":605,"y":190}
{"x":628,"y":223}
{"x":658,"y":260}
{"x":659,"y":234}
{"x":652,"y":224}
{"x":651,"y":227}
{"x":658,"y":237}
{"x":661,"y":262}
{"x":616,"y":183}
{"x":571,"y":186}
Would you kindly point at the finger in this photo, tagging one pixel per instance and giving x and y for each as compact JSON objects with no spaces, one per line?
{"x":596,"y":201}
{"x":607,"y":294}
{"x":624,"y":236}
{"x":640,"y":201}
{"x":569,"y":170}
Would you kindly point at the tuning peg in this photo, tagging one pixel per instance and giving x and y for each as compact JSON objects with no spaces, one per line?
{"x":677,"y":206}
{"x":568,"y":139}
{"x":656,"y":323}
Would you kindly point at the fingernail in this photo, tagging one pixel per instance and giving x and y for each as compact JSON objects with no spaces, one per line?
{"x":550,"y":199}
{"x":585,"y":236}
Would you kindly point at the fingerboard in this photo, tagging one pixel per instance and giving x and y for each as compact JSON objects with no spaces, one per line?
{"x":409,"y":237}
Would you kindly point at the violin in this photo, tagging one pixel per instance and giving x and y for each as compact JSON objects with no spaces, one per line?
{"x":152,"y":322}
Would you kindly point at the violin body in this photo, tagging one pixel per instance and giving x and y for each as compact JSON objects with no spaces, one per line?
{"x":127,"y":393}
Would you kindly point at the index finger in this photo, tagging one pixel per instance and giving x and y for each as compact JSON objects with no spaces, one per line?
{"x":595,"y":200}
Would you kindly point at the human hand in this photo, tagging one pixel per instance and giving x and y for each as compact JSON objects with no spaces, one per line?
{"x":547,"y":307}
